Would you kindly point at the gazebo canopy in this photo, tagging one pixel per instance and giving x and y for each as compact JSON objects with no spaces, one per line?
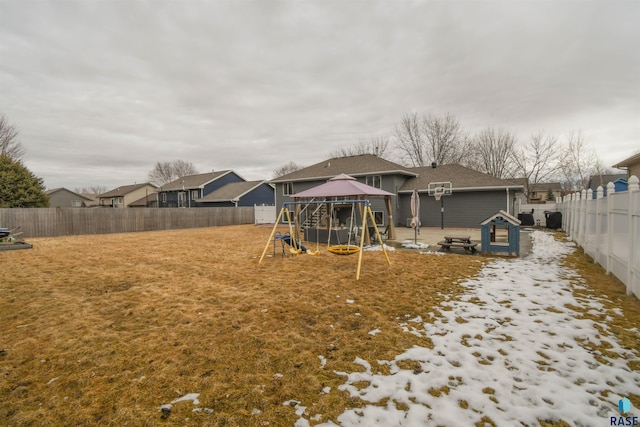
{"x":341,"y":186}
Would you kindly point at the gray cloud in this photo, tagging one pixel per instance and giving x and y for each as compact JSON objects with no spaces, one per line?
{"x":102,"y":90}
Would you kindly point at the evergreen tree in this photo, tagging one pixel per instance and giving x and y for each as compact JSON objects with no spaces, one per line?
{"x":19,"y":188}
{"x":551,"y":197}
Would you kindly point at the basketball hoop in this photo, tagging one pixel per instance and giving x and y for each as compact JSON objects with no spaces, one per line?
{"x":438,"y":192}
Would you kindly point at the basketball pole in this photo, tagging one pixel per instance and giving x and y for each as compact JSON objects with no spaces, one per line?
{"x":442,"y":212}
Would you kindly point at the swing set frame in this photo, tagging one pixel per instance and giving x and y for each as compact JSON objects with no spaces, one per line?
{"x":294,"y":228}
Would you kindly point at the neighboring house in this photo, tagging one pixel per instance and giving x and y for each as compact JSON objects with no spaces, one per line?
{"x":631,"y":164}
{"x":63,"y":198}
{"x":539,"y":193}
{"x":123,"y":196}
{"x":148,"y":201}
{"x":94,"y":199}
{"x":187,"y":191}
{"x":236,"y":194}
{"x":367,"y":168}
{"x":475,"y":197}
{"x":619,"y":182}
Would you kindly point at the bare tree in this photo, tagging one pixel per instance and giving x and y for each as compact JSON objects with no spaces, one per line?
{"x":165,"y":172}
{"x":579,"y":163}
{"x":376,"y":145}
{"x":492,"y":152}
{"x":94,"y":189}
{"x":286,"y":169}
{"x":424,"y":140}
{"x":9,"y":144}
{"x":539,"y":160}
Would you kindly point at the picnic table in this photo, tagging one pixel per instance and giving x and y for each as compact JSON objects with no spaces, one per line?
{"x":458,"y":242}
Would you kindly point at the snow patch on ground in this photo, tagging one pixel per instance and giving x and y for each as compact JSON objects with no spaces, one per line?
{"x":510,"y":348}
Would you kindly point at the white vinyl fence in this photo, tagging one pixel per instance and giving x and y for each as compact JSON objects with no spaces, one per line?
{"x":265,"y":214}
{"x":608,"y":229}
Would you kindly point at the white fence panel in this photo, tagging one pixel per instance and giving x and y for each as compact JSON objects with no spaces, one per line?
{"x":265,"y":214}
{"x":538,"y":210}
{"x":608,"y":229}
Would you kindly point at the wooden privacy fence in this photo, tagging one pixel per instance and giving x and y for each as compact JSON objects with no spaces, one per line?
{"x":608,"y":229}
{"x":51,"y":222}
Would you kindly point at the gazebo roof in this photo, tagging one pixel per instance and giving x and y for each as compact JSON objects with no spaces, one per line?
{"x":342,"y":186}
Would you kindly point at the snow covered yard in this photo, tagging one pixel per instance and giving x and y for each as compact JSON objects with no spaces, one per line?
{"x":516,"y":349}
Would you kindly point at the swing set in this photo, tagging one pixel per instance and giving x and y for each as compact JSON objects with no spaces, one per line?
{"x":338,"y":248}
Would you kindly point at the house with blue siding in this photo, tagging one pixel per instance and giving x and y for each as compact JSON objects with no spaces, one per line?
{"x":475,"y":195}
{"x":236,"y":194}
{"x":216,"y":188}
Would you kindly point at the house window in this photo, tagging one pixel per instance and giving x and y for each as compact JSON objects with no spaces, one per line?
{"x":76,"y":203}
{"x":164,"y":197}
{"x":379,"y":217}
{"x":374,"y":181}
{"x":195,"y":194}
{"x":287,"y":188}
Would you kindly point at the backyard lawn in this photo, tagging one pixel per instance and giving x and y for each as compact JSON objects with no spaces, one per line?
{"x":186,"y":328}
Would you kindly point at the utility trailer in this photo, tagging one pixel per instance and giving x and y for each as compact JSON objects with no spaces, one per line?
{"x":10,"y":240}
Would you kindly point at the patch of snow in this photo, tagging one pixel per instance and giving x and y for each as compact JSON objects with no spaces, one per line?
{"x":411,"y":244}
{"x":376,"y":248}
{"x":374,"y":332}
{"x":350,"y":301}
{"x":52,"y":380}
{"x":191,"y":396}
{"x":432,"y":253}
{"x":510,"y":348}
{"x":323,"y":361}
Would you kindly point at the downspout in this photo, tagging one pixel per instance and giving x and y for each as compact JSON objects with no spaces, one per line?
{"x":508,"y":204}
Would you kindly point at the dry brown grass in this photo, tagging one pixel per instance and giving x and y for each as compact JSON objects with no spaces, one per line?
{"x":127,"y":322}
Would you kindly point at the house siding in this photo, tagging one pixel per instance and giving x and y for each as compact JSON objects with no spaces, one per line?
{"x":172,"y":196}
{"x":461,"y":209}
{"x":66,"y":199}
{"x":389,"y":183}
{"x":263,"y":195}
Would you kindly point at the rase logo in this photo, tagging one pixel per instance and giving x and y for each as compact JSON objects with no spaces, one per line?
{"x":624,"y":406}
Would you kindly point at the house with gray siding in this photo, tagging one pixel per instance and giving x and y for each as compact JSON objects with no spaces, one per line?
{"x":63,"y":198}
{"x":475,"y":196}
{"x":366,"y":168}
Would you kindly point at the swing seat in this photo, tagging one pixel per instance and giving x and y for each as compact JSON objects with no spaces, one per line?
{"x":343,"y":249}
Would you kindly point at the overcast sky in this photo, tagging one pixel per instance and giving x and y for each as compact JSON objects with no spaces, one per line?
{"x":102,"y":90}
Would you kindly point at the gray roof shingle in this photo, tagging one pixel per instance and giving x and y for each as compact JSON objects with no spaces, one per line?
{"x":363,"y":164}
{"x":460,"y":177}
{"x":124,"y":190}
{"x":231,"y":192}
{"x":191,"y":182}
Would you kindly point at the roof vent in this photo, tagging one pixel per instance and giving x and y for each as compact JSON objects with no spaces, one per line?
{"x":433,"y":165}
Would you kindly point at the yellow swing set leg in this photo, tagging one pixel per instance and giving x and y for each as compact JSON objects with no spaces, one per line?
{"x":367,"y":210}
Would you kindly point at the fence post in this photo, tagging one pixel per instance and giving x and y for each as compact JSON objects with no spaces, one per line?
{"x":597,"y":250}
{"x":632,"y":187}
{"x":611,"y":188}
{"x":574,"y":215}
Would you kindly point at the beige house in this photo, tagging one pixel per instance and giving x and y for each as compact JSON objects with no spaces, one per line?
{"x":539,"y":193}
{"x":631,"y":164}
{"x":125,"y":195}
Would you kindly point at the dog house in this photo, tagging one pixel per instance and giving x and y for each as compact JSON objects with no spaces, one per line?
{"x":494,"y":240}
